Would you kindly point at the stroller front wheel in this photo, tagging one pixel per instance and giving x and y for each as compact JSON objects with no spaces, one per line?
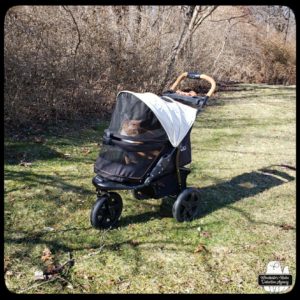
{"x":187,"y":205}
{"x":106,"y":211}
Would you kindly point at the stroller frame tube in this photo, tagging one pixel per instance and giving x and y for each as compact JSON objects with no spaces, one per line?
{"x":177,"y":167}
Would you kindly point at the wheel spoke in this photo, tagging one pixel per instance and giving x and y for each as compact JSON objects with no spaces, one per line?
{"x":191,"y":211}
{"x":190,"y":206}
{"x":111,"y":211}
{"x":114,"y":204}
{"x":101,"y":214}
{"x":187,"y":215}
{"x":104,"y":215}
{"x":113,"y":207}
{"x":194,"y":197}
{"x":186,"y":211}
{"x":185,"y":203}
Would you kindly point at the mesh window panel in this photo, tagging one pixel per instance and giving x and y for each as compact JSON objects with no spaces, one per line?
{"x":132,"y":119}
{"x":115,"y":163}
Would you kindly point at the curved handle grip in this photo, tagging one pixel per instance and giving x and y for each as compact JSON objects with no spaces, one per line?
{"x":212,"y":83}
{"x":195,"y":76}
{"x":178,"y":80}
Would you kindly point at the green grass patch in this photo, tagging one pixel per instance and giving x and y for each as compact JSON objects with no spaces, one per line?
{"x":242,"y":144}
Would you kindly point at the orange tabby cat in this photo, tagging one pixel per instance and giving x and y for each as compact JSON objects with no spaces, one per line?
{"x":190,"y":93}
{"x":133,"y":128}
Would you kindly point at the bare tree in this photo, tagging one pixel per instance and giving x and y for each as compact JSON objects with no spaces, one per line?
{"x":68,"y":62}
{"x":194,"y":17}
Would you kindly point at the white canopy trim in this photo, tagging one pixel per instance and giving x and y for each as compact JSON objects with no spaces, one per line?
{"x":176,"y":118}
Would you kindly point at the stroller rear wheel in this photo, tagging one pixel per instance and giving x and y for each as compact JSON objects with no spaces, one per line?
{"x":187,"y":205}
{"x":106,"y":211}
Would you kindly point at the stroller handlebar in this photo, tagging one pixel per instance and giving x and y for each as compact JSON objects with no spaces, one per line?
{"x":193,"y":75}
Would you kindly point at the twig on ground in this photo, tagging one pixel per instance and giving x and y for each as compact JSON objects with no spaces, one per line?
{"x":39,"y":284}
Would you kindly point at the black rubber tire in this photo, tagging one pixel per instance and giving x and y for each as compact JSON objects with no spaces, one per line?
{"x":106,"y":211}
{"x":187,"y":205}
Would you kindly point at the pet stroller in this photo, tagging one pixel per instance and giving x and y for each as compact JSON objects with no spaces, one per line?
{"x":146,"y":149}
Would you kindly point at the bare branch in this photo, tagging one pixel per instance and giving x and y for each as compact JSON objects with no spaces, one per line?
{"x":229,"y":19}
{"x":200,"y":21}
{"x":78,"y":34}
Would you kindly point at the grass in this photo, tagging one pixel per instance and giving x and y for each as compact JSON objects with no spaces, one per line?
{"x":242,"y":143}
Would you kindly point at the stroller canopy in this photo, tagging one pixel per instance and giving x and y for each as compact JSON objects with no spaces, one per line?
{"x":175,"y":118}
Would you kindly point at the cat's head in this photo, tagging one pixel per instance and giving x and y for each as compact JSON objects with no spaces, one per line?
{"x":131,"y":127}
{"x":134,"y":124}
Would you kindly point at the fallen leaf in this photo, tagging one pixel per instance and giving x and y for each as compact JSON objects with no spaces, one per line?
{"x":134,"y":242}
{"x":225,"y":280}
{"x":86,"y":287}
{"x":25,"y":164}
{"x":86,"y":151}
{"x":248,"y":185}
{"x":287,"y":227}
{"x":250,"y":246}
{"x":206,"y":234}
{"x":50,"y":268}
{"x":47,"y":255}
{"x":200,"y":248}
{"x":240,"y":281}
{"x":124,"y":285}
{"x":280,"y":257}
{"x":38,"y":139}
{"x":7,"y":263}
{"x":19,"y":275}
{"x":222,"y":250}
{"x":9,"y":273}
{"x":48,"y":228}
{"x":39,"y":275}
{"x":111,"y":282}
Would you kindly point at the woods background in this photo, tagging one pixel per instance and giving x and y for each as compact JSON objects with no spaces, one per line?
{"x":69,"y":62}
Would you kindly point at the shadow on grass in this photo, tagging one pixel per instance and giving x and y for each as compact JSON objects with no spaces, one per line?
{"x":16,"y":152}
{"x":214,"y":197}
{"x":240,"y":187}
{"x":33,"y":180}
{"x":32,"y":147}
{"x":32,"y":238}
{"x":225,"y":193}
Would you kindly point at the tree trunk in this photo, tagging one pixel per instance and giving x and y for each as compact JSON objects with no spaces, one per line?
{"x":193,"y":20}
{"x":174,"y":55}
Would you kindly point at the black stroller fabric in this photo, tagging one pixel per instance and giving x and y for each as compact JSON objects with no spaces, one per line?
{"x":138,"y":140}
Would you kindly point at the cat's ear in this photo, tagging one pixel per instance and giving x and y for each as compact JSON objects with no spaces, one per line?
{"x":125,"y":121}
